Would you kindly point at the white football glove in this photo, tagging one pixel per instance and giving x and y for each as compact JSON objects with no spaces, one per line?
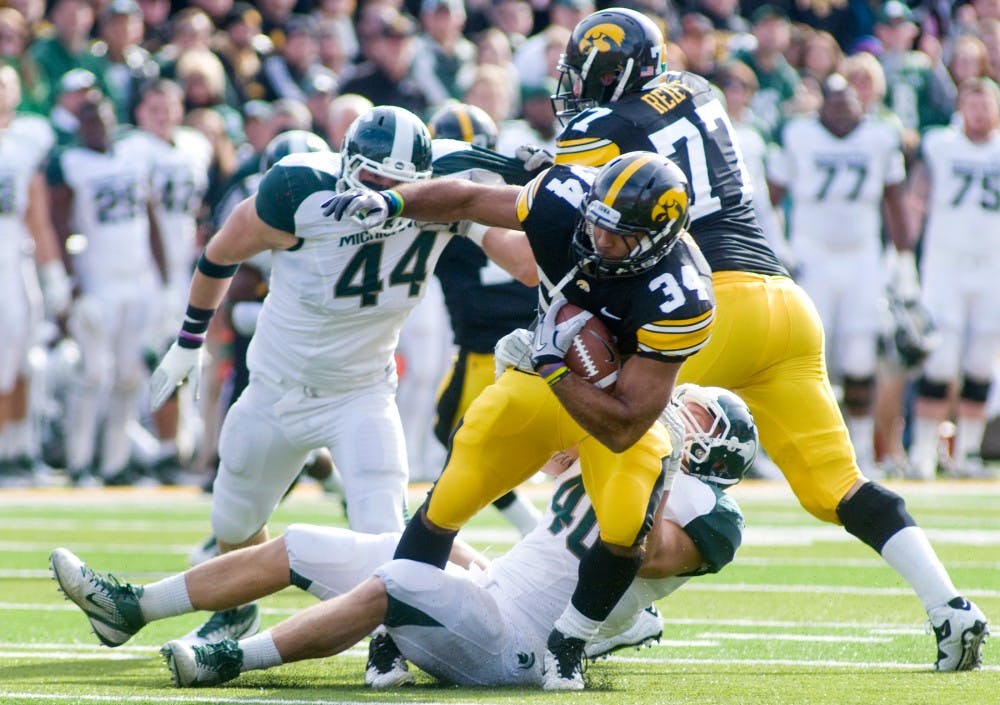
{"x":904,"y":281}
{"x":552,"y":339}
{"x":57,"y":290}
{"x":365,"y":207}
{"x":513,"y":350}
{"x":534,"y":158}
{"x":177,"y":365}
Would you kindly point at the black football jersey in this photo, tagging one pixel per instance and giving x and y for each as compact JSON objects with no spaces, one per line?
{"x":665,"y":312}
{"x":682,"y":119}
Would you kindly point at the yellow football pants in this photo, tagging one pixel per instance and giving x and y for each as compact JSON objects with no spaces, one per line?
{"x":767,"y":346}
{"x":512,"y":428}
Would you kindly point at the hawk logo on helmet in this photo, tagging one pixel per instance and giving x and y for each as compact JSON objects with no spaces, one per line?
{"x":670,"y":206}
{"x":603,"y":37}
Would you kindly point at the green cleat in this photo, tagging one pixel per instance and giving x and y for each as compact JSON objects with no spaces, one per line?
{"x":204,"y":664}
{"x":111,"y":605}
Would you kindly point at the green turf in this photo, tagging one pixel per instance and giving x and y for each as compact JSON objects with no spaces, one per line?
{"x":803,"y":616}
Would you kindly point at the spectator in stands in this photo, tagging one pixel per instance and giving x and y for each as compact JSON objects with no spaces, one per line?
{"x":529,"y":57}
{"x":446,"y":59}
{"x":320,"y":89}
{"x":334,"y":53}
{"x":15,"y":36}
{"x":777,"y":79}
{"x":127,"y":66}
{"x":491,"y":91}
{"x":920,"y":92}
{"x":275,"y":14}
{"x":156,"y":14}
{"x":493,"y":47}
{"x":512,"y":17}
{"x":821,"y":56}
{"x":337,"y":21}
{"x":700,"y":45}
{"x":343,"y":110}
{"x":285,"y":72}
{"x":387,"y":76}
{"x":537,"y":126}
{"x":969,"y":59}
{"x":241,"y":47}
{"x":723,"y":14}
{"x":69,"y":46}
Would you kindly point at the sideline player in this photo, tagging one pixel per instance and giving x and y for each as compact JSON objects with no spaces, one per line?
{"x":768,"y":340}
{"x":321,"y":358}
{"x":841,"y":172}
{"x":612,"y":242}
{"x":508,"y":604}
{"x":960,"y":267}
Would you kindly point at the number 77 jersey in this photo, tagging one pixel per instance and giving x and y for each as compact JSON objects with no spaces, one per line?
{"x":680,"y":117}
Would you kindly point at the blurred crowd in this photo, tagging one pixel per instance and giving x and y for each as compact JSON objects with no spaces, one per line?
{"x":194,"y":92}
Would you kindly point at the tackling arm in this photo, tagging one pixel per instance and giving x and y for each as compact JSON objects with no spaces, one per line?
{"x":449,"y":200}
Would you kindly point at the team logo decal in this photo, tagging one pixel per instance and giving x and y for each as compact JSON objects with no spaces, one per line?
{"x":670,"y":205}
{"x":603,"y":37}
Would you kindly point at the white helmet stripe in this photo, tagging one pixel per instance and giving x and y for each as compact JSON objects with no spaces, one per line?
{"x":402,"y":140}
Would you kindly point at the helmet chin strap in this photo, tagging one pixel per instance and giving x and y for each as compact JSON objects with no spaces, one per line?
{"x":622,"y":80}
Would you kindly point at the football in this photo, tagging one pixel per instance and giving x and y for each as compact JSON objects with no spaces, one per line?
{"x":593,"y":354}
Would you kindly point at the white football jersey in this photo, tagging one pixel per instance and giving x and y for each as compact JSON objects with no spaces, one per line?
{"x":964,"y":215}
{"x":110,"y":207}
{"x":339,"y":298}
{"x":538,"y":575}
{"x":179,"y":179}
{"x":836,"y":184}
{"x":20,"y":158}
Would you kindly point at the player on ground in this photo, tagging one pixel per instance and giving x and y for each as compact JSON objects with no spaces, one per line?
{"x":830,"y":165}
{"x":498,"y":637}
{"x":960,"y":265}
{"x":768,"y":344}
{"x":321,"y":358}
{"x":612,"y":242}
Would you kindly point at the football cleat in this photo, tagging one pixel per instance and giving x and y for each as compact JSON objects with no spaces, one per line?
{"x":111,"y":605}
{"x":648,"y":627}
{"x":237,"y":623}
{"x":386,"y":666}
{"x":960,"y":629}
{"x":565,"y":662}
{"x":200,"y":665}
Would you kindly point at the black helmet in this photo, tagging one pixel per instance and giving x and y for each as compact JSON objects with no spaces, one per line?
{"x":463,"y":122}
{"x":388,"y":141}
{"x":721,"y":447}
{"x":290,"y":142}
{"x":610,"y":53}
{"x":641,"y":196}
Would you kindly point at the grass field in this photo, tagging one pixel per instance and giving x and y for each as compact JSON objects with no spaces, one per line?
{"x":805,"y":615}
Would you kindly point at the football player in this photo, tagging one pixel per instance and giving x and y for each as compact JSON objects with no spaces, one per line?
{"x":613,"y":243}
{"x":960,"y":265}
{"x":24,"y":219}
{"x":830,"y":164}
{"x":768,"y":346}
{"x":102,"y":191}
{"x":180,"y":158}
{"x":484,"y":303}
{"x":478,"y":623}
{"x":321,"y":358}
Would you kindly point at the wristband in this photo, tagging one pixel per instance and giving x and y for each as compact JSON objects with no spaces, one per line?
{"x":394,"y":201}
{"x":554,"y":372}
{"x":216,"y":271}
{"x":476,"y":233}
{"x":192,"y":334}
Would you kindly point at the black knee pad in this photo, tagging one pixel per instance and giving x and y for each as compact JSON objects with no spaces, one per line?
{"x":874,"y":514}
{"x":603,"y":579}
{"x":858,"y":394}
{"x":932,"y":390}
{"x":449,"y":400}
{"x":975,"y":391}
